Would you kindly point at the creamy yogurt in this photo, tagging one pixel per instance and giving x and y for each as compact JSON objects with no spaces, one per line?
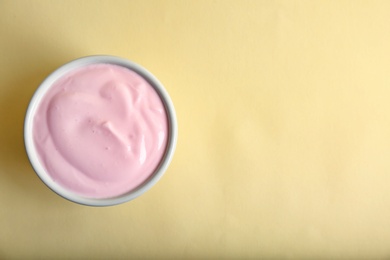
{"x":100,"y":131}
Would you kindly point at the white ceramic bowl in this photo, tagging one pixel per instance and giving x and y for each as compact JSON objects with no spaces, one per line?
{"x":46,"y":85}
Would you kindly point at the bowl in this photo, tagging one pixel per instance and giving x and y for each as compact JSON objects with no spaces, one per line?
{"x":35,"y":159}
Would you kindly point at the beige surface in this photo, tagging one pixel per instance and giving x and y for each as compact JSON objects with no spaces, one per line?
{"x":284,"y":129}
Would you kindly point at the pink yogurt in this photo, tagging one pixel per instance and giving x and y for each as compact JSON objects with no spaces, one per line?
{"x":100,"y":131}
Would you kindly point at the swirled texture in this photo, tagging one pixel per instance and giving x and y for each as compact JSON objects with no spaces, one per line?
{"x":101,"y":130}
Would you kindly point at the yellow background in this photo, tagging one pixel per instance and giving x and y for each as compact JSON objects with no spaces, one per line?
{"x":284,"y":129}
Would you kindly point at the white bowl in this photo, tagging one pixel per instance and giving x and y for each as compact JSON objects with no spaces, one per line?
{"x":46,"y":85}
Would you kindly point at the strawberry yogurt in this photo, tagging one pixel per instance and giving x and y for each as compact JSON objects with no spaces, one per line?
{"x":100,"y":131}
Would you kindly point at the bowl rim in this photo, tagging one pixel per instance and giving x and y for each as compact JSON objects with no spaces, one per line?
{"x":45,"y":86}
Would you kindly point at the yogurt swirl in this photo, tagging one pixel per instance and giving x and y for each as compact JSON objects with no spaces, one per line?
{"x":101,"y":130}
